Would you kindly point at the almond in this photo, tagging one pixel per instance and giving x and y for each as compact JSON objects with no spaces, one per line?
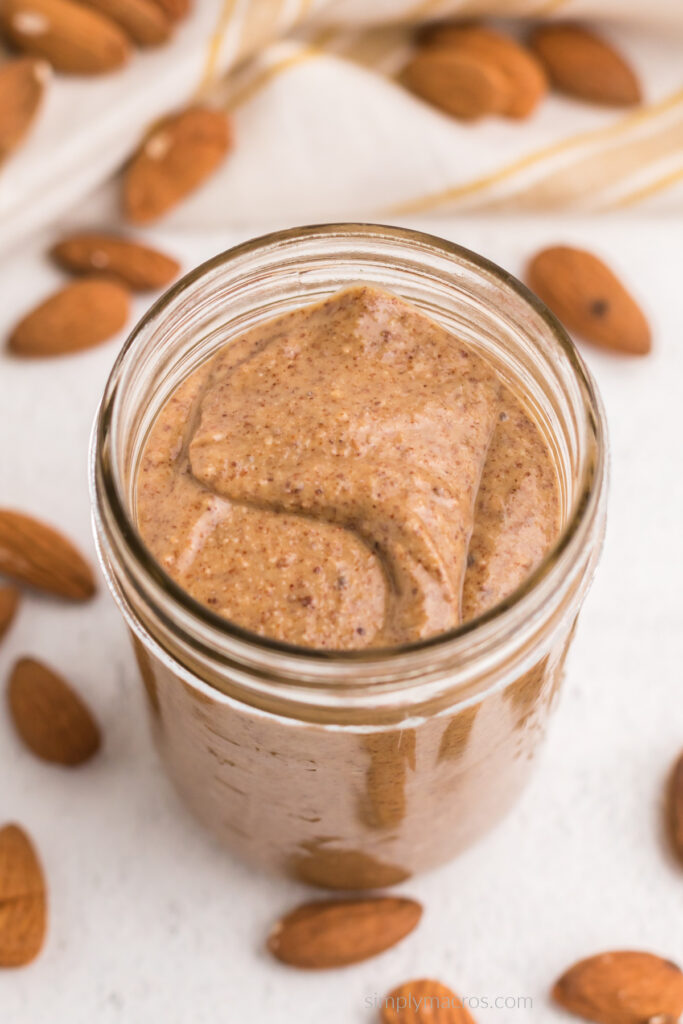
{"x":23,"y":902}
{"x":72,"y":38}
{"x":174,"y":9}
{"x":134,"y":264}
{"x":51,"y":718}
{"x":143,"y":20}
{"x":582,"y":64}
{"x":34,"y":553}
{"x":526,"y":80}
{"x":621,"y":988}
{"x":424,"y":1002}
{"x":22,"y":86}
{"x":79,"y":316}
{"x":176,"y":158}
{"x":334,"y":933}
{"x":9,"y":602}
{"x":676,"y":808}
{"x":460,"y":83}
{"x":589,"y":299}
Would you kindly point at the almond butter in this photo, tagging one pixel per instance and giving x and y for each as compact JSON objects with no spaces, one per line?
{"x":526,"y":80}
{"x":676,"y":808}
{"x":79,"y":316}
{"x":183,"y":151}
{"x":334,"y":933}
{"x":23,"y":901}
{"x":458,"y":82}
{"x":621,"y":988}
{"x":138,"y":266}
{"x":583,"y":65}
{"x":51,"y":718}
{"x":22,"y":86}
{"x":9,"y":602}
{"x":424,"y":1002}
{"x":589,"y":299}
{"x":143,"y":20}
{"x":34,"y":553}
{"x":71,"y":37}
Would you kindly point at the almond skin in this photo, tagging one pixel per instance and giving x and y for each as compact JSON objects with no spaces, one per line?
{"x":143,"y":20}
{"x":79,"y":316}
{"x":526,"y":80}
{"x":583,"y":65}
{"x":51,"y":718}
{"x":133,"y":264}
{"x":621,"y":988}
{"x":334,"y":933}
{"x":459,"y":82}
{"x":34,"y":553}
{"x":9,"y":602}
{"x":72,"y":38}
{"x":589,"y":299}
{"x":23,"y":81}
{"x":183,"y":151}
{"x":424,"y":1002}
{"x":676,"y":808}
{"x":23,"y":901}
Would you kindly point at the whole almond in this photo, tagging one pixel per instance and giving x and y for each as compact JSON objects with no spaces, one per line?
{"x":9,"y":602}
{"x":78,"y":316}
{"x":138,"y":266}
{"x":676,"y":808}
{"x":583,"y":65}
{"x":23,"y":901}
{"x":461,"y":83}
{"x":174,"y":9}
{"x":72,"y":38}
{"x":526,"y":80}
{"x":177,"y":158}
{"x":589,"y":299}
{"x":51,"y":718}
{"x":621,"y":988}
{"x":34,"y":553}
{"x":334,"y":933}
{"x":22,"y":87}
{"x":424,"y":1002}
{"x":143,"y":20}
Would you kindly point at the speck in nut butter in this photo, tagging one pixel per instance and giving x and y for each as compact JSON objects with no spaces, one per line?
{"x":345,"y":514}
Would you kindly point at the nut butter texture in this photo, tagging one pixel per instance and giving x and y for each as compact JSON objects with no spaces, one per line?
{"x":347,"y":475}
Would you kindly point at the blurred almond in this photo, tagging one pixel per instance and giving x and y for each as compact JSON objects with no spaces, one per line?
{"x":22,"y":86}
{"x":621,"y":988}
{"x":143,"y":20}
{"x":583,"y":65}
{"x":526,"y":80}
{"x":34,"y":553}
{"x":676,"y":808}
{"x":589,"y":299}
{"x":9,"y":602}
{"x":138,"y":266}
{"x":174,"y":9}
{"x":424,"y":1002}
{"x":459,"y":82}
{"x":183,"y":151}
{"x":334,"y":933}
{"x":23,"y":901}
{"x":51,"y":718}
{"x":78,"y":316}
{"x":72,"y":38}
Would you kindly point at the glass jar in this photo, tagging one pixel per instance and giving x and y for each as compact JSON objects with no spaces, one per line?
{"x":350,"y":769}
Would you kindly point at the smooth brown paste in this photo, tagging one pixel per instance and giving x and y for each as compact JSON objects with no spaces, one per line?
{"x":347,"y":475}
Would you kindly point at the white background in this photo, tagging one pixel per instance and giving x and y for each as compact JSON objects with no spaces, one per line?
{"x":150,"y":921}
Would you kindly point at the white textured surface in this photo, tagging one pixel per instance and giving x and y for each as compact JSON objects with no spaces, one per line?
{"x":151,"y":921}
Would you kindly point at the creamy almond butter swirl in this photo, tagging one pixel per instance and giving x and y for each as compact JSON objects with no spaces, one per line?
{"x":347,"y":475}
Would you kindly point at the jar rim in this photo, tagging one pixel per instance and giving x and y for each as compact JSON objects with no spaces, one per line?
{"x":106,"y":483}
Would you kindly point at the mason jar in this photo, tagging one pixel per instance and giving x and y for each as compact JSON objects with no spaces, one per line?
{"x":350,"y":769}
